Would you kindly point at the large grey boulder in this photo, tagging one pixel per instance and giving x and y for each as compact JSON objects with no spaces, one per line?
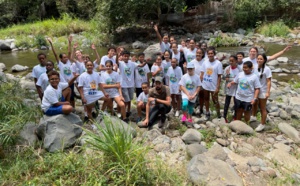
{"x":272,"y":107}
{"x":59,"y":132}
{"x":282,"y":59}
{"x":2,"y":67}
{"x":138,"y":45}
{"x":240,"y":127}
{"x":284,"y":159}
{"x":192,"y":136}
{"x":19,"y":68}
{"x":204,"y":170}
{"x":290,"y":131}
{"x":195,"y":149}
{"x":27,"y":135}
{"x":273,"y":63}
{"x":2,"y":77}
{"x":152,"y":51}
{"x":117,"y":124}
{"x":5,"y":45}
{"x":27,"y":84}
{"x":294,"y":102}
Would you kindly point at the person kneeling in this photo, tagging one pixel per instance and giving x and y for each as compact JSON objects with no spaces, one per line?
{"x":56,"y":99}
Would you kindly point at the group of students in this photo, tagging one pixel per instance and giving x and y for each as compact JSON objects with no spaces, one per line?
{"x":191,"y":71}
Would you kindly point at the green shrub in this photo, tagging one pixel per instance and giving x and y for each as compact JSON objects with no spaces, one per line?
{"x":223,"y":41}
{"x":276,"y":28}
{"x":40,"y":41}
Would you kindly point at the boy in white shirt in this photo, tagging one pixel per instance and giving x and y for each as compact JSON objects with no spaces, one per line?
{"x":157,"y":69}
{"x":142,"y":100}
{"x":141,"y":74}
{"x":38,"y":70}
{"x":43,"y":80}
{"x":211,"y":73}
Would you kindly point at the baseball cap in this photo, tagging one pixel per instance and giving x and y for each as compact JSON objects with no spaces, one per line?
{"x":190,"y":65}
{"x":158,"y":78}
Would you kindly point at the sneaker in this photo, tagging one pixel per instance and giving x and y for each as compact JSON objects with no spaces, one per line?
{"x":260,"y":128}
{"x":128,"y":114}
{"x":86,"y":119}
{"x":201,"y":112}
{"x":118,"y":115}
{"x":138,"y":119}
{"x":161,"y":124}
{"x":253,"y":118}
{"x":183,"y":119}
{"x":177,"y":113}
{"x":207,"y":116}
{"x":94,"y":114}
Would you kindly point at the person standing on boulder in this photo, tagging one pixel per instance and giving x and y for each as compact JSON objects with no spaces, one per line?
{"x":159,"y":103}
{"x":38,"y":70}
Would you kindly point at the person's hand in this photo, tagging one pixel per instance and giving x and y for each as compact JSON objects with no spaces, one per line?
{"x":83,"y":101}
{"x":267,"y":95}
{"x":148,"y":60}
{"x":122,"y":99}
{"x":216,"y":92}
{"x":145,"y":122}
{"x":160,"y":69}
{"x":287,"y":48}
{"x":118,"y":85}
{"x":106,"y":94}
{"x":181,"y":50}
{"x":93,"y":46}
{"x":151,"y":99}
{"x":253,"y":102}
{"x":228,"y":85}
{"x":70,"y":38}
{"x":155,"y":28}
{"x":76,"y":75}
{"x":49,"y":40}
{"x":184,"y":65}
{"x":75,"y":45}
{"x":67,"y":103}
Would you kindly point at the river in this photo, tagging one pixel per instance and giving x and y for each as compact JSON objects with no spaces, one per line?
{"x":28,"y":57}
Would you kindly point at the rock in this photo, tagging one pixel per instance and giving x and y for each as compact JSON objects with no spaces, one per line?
{"x":44,"y":48}
{"x":282,"y":147}
{"x":277,"y":70}
{"x":295,"y":114}
{"x":177,"y":145}
{"x":2,"y":67}
{"x":204,"y":170}
{"x":282,"y":75}
{"x":273,"y":63}
{"x":27,"y":135}
{"x":151,"y":134}
{"x":290,"y":131}
{"x":162,"y":147}
{"x":59,"y":132}
{"x":241,"y":31}
{"x":296,"y":176}
{"x":294,"y":102}
{"x":284,"y":159}
{"x":117,"y":123}
{"x":195,"y":149}
{"x":270,"y":140}
{"x":219,"y":122}
{"x":152,"y":51}
{"x":255,"y":161}
{"x":11,"y":77}
{"x":212,"y":23}
{"x":282,"y":59}
{"x":192,"y":136}
{"x":5,"y":45}
{"x":286,"y":70}
{"x":222,"y":142}
{"x":18,"y":68}
{"x":28,"y":85}
{"x":161,"y":139}
{"x":2,"y":77}
{"x":29,"y":77}
{"x":138,"y":45}
{"x":240,"y":127}
{"x":210,"y":124}
{"x":291,"y":35}
{"x":217,"y":152}
{"x":283,"y":114}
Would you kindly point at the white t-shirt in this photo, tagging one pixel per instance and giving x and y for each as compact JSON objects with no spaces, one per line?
{"x":181,"y":47}
{"x":105,"y":58}
{"x":79,"y":67}
{"x":177,"y":56}
{"x":127,"y":73}
{"x":190,"y":54}
{"x":143,"y":97}
{"x":154,"y":68}
{"x":164,"y":46}
{"x":174,"y":78}
{"x":52,"y":95}
{"x":37,"y":71}
{"x":246,"y":85}
{"x":141,"y":75}
{"x":111,"y":79}
{"x":66,"y":71}
{"x":211,"y":71}
{"x":191,"y":83}
{"x":43,"y":81}
{"x":96,"y":65}
{"x":263,"y":81}
{"x":90,"y":83}
{"x":232,"y":74}
{"x":198,"y":65}
{"x":166,"y":65}
{"x":254,"y":61}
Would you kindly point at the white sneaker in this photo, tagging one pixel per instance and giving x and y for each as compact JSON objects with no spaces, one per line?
{"x":118,"y":115}
{"x":177,"y":113}
{"x":253,"y":118}
{"x":260,"y":128}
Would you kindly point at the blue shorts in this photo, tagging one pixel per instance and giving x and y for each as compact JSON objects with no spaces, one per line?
{"x":55,"y":110}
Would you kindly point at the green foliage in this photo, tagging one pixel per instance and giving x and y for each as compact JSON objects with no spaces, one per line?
{"x":40,"y":41}
{"x":223,"y":41}
{"x":14,"y":113}
{"x":277,"y":28}
{"x":208,"y":136}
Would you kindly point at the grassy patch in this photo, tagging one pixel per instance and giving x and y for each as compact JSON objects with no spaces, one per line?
{"x":208,"y":136}
{"x":223,"y":41}
{"x":276,"y":28}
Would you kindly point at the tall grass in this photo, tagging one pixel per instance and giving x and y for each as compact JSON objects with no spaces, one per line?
{"x":276,"y":28}
{"x":223,"y":41}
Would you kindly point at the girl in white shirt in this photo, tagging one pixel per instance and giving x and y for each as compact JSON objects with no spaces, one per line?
{"x":166,"y":63}
{"x":163,"y":41}
{"x":190,"y":53}
{"x":264,"y":74}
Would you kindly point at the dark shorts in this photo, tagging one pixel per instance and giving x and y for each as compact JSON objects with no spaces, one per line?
{"x":238,"y":104}
{"x":72,"y":92}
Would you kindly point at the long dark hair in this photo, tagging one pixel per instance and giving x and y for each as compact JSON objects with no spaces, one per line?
{"x":263,"y":65}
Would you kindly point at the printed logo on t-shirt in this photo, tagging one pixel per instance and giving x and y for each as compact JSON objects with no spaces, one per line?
{"x":189,"y":85}
{"x":173,"y":78}
{"x":93,"y":87}
{"x":109,"y":81}
{"x":209,"y":72}
{"x":244,"y":84}
{"x":127,"y":71}
{"x":141,"y":71}
{"x":67,"y":71}
{"x":145,"y":100}
{"x":166,"y":69}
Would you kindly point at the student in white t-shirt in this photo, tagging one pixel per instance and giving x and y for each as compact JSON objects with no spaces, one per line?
{"x":166,"y":63}
{"x":240,"y":57}
{"x":141,"y":74}
{"x":158,"y":68}
{"x":230,"y":72}
{"x":86,"y":57}
{"x":65,"y":67}
{"x":111,"y":83}
{"x":190,"y":53}
{"x":246,"y":95}
{"x":89,"y":84}
{"x":110,"y":56}
{"x":176,"y":53}
{"x":163,"y":41}
{"x":43,"y":80}
{"x":142,"y":100}
{"x":198,"y":63}
{"x":77,"y":58}
{"x":127,"y":69}
{"x":38,"y":70}
{"x":56,"y":99}
{"x":211,"y":73}
{"x":174,"y":75}
{"x":190,"y":86}
{"x":264,"y":75}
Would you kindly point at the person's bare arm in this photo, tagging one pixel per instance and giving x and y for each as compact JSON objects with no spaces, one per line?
{"x":71,"y":82}
{"x":96,"y":52}
{"x":274,"y":56}
{"x":165,"y":102}
{"x":269,"y":88}
{"x":201,"y":76}
{"x":70,"y":39}
{"x":218,"y":84}
{"x":255,"y":96}
{"x":80,"y":89}
{"x":157,"y":33}
{"x":72,"y":58}
{"x":53,"y":50}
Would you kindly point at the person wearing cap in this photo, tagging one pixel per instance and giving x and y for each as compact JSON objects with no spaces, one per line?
{"x":190,"y":86}
{"x":159,"y":100}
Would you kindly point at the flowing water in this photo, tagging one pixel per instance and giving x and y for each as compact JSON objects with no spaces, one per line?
{"x":28,"y":58}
